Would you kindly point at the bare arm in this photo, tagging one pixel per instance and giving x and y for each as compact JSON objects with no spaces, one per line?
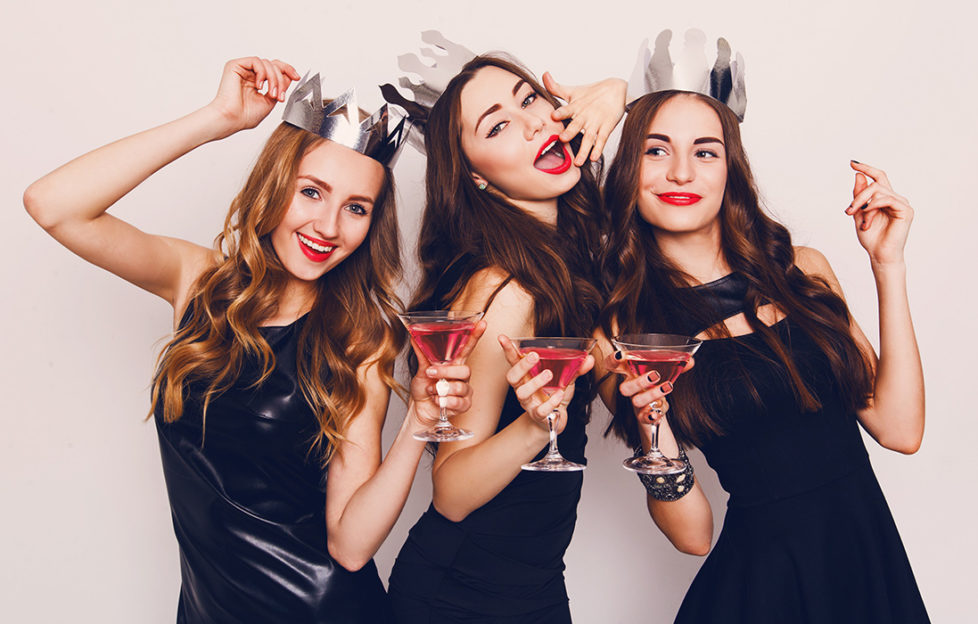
{"x":70,"y":203}
{"x":687,"y":522}
{"x":895,"y":415}
{"x":365,"y":496}
{"x":469,"y":473}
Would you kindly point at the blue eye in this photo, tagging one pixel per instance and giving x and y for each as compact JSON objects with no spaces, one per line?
{"x":357,"y":209}
{"x":496,"y":129}
{"x":529,"y":99}
{"x":310,"y":192}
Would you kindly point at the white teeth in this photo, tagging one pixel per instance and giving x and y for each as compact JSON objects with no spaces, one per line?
{"x":317,"y":247}
{"x":548,"y":147}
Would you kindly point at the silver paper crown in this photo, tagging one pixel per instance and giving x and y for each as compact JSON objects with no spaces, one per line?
{"x":449,"y":58}
{"x":339,"y":121}
{"x":691,"y":71}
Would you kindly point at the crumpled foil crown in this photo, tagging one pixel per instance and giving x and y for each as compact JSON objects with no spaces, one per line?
{"x":691,"y":70}
{"x":339,"y":121}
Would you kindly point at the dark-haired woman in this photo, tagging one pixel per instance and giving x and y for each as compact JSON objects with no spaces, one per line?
{"x":783,"y":381}
{"x":510,"y":226}
{"x":281,"y":365}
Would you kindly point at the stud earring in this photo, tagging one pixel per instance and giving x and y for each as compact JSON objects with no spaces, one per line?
{"x":482,"y":186}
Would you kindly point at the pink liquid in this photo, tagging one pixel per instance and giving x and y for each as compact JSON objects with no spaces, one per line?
{"x":667,"y":363}
{"x":562,"y":363}
{"x":440,"y":341}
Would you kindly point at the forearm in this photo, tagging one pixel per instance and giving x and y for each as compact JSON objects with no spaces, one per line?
{"x":86,"y":187}
{"x":473,"y":476}
{"x":898,"y":394}
{"x":375,"y":507}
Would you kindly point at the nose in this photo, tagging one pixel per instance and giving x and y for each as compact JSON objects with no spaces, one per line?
{"x":680,"y":170}
{"x":327,"y":223}
{"x":532,"y":124}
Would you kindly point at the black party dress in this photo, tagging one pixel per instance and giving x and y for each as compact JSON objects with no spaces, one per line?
{"x":504,"y":563}
{"x":248,"y":504}
{"x":807,"y":537}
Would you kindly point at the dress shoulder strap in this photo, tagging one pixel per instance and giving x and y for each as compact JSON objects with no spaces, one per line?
{"x":502,"y":285}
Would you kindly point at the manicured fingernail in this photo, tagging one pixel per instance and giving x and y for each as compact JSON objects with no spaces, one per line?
{"x":667,"y":387}
{"x":855,"y":161}
{"x":864,"y":206}
{"x":432,"y":372}
{"x":652,"y":377}
{"x":619,"y":355}
{"x":532,"y":357}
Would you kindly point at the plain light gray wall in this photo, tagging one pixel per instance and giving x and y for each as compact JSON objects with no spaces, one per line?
{"x":85,"y":524}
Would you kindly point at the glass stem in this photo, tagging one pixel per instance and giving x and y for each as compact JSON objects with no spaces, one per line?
{"x":443,"y":422}
{"x":654,"y":447}
{"x":551,"y":418}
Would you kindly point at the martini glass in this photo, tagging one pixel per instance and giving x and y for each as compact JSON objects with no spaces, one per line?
{"x":440,"y":335}
{"x":666,"y":354}
{"x":563,"y":358}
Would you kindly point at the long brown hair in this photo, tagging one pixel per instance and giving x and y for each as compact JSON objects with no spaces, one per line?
{"x":639,"y":277}
{"x":348,"y":323}
{"x":464,"y":229}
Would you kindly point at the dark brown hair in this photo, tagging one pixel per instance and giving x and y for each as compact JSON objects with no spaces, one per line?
{"x":464,"y":229}
{"x":348,"y":323}
{"x":639,"y":278}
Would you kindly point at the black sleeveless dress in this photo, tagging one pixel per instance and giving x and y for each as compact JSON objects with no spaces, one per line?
{"x":504,"y":563}
{"x":248,"y":504}
{"x":807,"y":537}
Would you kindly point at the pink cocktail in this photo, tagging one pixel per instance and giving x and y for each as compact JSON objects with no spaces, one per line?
{"x":563,"y":358}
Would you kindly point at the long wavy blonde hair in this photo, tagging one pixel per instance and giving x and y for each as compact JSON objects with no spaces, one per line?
{"x":350,"y":321}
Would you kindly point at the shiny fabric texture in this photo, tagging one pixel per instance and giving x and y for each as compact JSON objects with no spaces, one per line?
{"x":807,"y":536}
{"x":504,"y":562}
{"x":248,"y":505}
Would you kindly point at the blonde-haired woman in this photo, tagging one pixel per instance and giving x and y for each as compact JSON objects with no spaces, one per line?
{"x":281,"y":364}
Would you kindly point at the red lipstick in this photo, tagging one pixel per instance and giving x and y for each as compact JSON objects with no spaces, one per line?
{"x":548,"y":146}
{"x":314,"y":254}
{"x":680,"y":199}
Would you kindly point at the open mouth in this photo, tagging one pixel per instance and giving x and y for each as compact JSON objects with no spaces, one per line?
{"x":315,"y":249}
{"x":553,"y":157}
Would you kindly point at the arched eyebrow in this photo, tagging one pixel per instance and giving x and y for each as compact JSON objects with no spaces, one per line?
{"x":492,"y":109}
{"x":699,"y":141}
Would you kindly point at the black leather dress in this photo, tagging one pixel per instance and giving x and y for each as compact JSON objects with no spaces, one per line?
{"x":248,"y":504}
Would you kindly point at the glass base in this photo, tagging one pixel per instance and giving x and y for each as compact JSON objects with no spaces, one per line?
{"x":654,"y":465}
{"x":553,"y":463}
{"x":449,"y":433}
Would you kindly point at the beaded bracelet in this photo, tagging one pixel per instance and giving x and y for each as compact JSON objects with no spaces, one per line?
{"x":670,"y":487}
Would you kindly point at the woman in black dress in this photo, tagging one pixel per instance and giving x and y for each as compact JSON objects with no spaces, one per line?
{"x":783,"y":381}
{"x":282,"y":361}
{"x":510,"y":227}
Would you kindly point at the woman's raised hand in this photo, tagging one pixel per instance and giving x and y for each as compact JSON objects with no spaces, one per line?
{"x":594,"y":111}
{"x":882,"y":218}
{"x":443,"y":385}
{"x":239,"y":98}
{"x":529,"y":390}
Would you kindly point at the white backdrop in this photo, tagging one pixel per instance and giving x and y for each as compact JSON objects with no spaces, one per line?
{"x":86,"y":527}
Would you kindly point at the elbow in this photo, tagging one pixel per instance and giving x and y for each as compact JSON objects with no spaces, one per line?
{"x":907,"y":447}
{"x":690,"y":545}
{"x":35,"y":204}
{"x":350,"y":561}
{"x":455,"y":513}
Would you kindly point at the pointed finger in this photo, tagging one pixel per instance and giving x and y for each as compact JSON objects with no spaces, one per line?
{"x":555,"y":88}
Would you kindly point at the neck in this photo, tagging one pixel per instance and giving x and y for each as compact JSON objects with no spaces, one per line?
{"x":698,"y":254}
{"x":296,"y":300}
{"x":543,"y":210}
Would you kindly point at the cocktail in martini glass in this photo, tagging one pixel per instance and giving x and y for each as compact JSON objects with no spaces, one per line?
{"x":563,"y":358}
{"x":667,"y":355}
{"x":441,"y":335}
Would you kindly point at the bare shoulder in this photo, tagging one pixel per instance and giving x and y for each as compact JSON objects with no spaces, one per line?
{"x":495,"y":284}
{"x":813,"y":262}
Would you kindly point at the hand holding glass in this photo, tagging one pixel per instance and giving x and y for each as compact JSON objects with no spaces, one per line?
{"x":667,"y":355}
{"x":440,"y":336}
{"x":563,"y":358}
